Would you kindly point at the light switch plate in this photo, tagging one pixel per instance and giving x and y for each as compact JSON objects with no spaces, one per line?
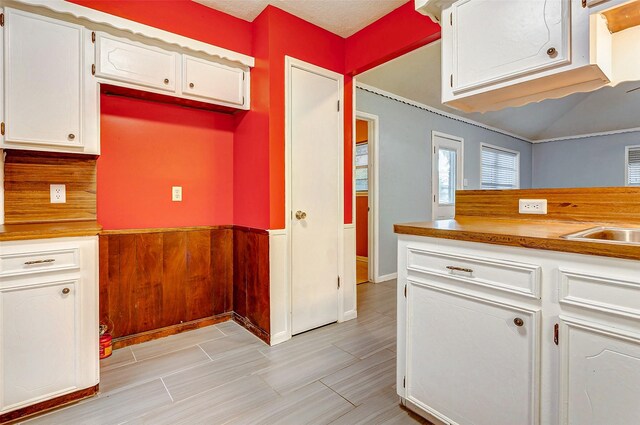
{"x":58,"y":193}
{"x":176,"y":193}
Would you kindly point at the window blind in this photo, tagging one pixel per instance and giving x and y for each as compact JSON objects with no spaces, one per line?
{"x":499,"y":169}
{"x":633,"y":166}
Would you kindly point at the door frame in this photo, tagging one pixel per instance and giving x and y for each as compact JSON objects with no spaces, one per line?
{"x":373,"y":122}
{"x":290,"y":64}
{"x":434,"y":165}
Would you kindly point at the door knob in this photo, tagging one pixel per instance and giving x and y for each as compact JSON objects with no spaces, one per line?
{"x":301,"y":215}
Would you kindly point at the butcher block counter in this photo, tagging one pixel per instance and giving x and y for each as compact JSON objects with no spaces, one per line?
{"x":527,"y":233}
{"x":60,"y":229}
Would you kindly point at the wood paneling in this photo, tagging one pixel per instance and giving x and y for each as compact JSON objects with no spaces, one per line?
{"x":43,"y":406}
{"x":608,"y":204}
{"x":27,"y":193}
{"x":154,"y":283}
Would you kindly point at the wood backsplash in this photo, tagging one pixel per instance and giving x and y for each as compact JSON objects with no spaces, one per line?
{"x":602,"y":204}
{"x":27,"y":176}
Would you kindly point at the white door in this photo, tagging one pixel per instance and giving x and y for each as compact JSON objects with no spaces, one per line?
{"x":494,"y":41}
{"x":212,"y":80}
{"x":470,"y":360}
{"x":316,"y":143}
{"x":601,"y":375}
{"x":42,"y":80}
{"x":39,"y":349}
{"x":447,"y":174}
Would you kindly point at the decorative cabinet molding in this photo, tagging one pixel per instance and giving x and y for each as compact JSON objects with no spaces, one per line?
{"x":520,"y":53}
{"x":48,"y":320}
{"x":571,"y":356}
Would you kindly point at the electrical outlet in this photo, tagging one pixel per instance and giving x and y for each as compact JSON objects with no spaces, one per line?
{"x":532,"y":206}
{"x":176,"y":193}
{"x":58,"y":193}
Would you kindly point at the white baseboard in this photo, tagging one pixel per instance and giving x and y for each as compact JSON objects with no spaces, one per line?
{"x":279,"y":338}
{"x":386,"y":277}
{"x":349,"y":315}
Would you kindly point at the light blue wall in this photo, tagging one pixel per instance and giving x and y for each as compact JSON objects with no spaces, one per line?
{"x":585,"y":162}
{"x":405,"y":163}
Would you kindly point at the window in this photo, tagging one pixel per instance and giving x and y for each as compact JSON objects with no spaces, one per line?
{"x":633,"y":166}
{"x":362,"y":167}
{"x":500,"y":168}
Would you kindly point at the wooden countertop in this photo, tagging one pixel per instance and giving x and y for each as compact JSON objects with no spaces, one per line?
{"x":15,"y":232}
{"x":527,"y":233}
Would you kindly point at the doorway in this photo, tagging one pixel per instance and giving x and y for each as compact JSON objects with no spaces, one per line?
{"x":315,"y":194}
{"x":365,"y":173}
{"x":447,"y":173}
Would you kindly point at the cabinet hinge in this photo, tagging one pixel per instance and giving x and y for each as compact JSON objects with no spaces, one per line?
{"x":451,"y":80}
{"x":584,"y":3}
{"x":93,"y":69}
{"x":338,"y":282}
{"x":93,"y":36}
{"x":434,"y":198}
{"x":404,"y":382}
{"x":2,"y":128}
{"x":338,"y":106}
{"x":1,"y":19}
{"x":243,"y":75}
{"x":451,"y":19}
{"x":405,"y":291}
{"x":556,"y":333}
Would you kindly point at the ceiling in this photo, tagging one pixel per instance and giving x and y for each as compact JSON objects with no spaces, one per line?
{"x":341,"y":17}
{"x":416,"y":76}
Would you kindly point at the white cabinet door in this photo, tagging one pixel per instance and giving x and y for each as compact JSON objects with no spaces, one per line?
{"x":494,"y":41}
{"x":600,"y":376}
{"x":39,"y":350}
{"x":135,"y":63}
{"x":213,"y":81}
{"x":471,"y":360}
{"x":43,"y":87}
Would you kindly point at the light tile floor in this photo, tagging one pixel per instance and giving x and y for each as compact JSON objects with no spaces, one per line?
{"x":339,"y":374}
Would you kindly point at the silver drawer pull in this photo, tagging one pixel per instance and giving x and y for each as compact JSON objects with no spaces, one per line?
{"x":48,"y":260}
{"x":460,"y":269}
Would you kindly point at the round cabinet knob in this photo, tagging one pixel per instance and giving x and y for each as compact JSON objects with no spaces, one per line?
{"x":71,"y":136}
{"x":65,"y":291}
{"x":301,"y":215}
{"x":191,"y":85}
{"x":166,"y":81}
{"x":518,"y":322}
{"x":552,"y":52}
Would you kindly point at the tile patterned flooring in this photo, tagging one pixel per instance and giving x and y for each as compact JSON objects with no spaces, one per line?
{"x":339,"y":374}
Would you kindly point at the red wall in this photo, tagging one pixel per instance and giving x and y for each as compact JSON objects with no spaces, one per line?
{"x":362,"y":225}
{"x":147,"y":147}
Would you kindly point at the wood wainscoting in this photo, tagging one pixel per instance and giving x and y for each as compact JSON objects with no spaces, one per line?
{"x":158,"y":282}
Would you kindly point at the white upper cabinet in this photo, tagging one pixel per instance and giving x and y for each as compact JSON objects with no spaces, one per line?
{"x":131,"y":62}
{"x":528,"y":36}
{"x":213,"y":81}
{"x":520,"y":51}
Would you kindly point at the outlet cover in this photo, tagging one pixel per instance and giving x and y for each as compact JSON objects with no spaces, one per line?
{"x":58,"y":193}
{"x":176,"y":193}
{"x":532,"y":206}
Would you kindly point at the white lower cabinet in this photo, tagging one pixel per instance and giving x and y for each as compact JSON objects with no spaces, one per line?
{"x":48,"y":322}
{"x":470,"y":353}
{"x":482,"y":357}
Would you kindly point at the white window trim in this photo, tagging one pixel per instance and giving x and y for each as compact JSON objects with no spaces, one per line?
{"x":500,"y":148}
{"x":434,"y":166}
{"x":626,"y":164}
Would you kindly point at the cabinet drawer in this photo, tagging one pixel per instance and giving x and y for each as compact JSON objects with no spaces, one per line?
{"x":213,"y":81}
{"x":509,"y":276}
{"x":22,"y":263}
{"x":135,"y":63}
{"x":608,"y":294}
